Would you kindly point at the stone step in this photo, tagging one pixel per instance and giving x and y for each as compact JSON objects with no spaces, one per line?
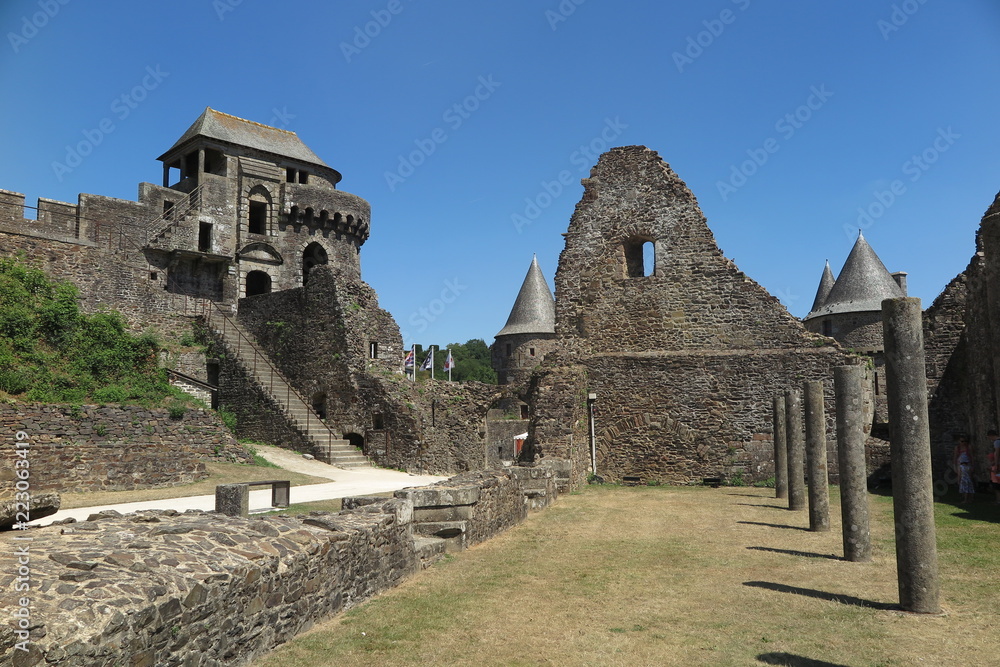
{"x":429,"y":550}
{"x":452,"y":532}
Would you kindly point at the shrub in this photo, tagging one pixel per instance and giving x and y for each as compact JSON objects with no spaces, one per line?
{"x":228,"y":418}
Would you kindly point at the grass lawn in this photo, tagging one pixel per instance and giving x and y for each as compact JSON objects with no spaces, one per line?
{"x":218,"y":473}
{"x":676,"y":576}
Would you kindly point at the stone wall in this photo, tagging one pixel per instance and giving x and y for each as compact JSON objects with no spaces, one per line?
{"x":159,"y":588}
{"x":694,"y":297}
{"x":684,"y":355}
{"x":113,"y":448}
{"x":559,"y":427}
{"x":500,"y":438}
{"x":856,"y":330}
{"x":709,"y":415}
{"x":948,"y":373}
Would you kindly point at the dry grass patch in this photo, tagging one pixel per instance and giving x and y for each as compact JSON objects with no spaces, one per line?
{"x":672,"y":576}
{"x":218,"y":473}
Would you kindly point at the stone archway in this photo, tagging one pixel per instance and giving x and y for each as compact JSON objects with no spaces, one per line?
{"x":258,"y":282}
{"x":314,"y":254}
{"x":356,"y":440}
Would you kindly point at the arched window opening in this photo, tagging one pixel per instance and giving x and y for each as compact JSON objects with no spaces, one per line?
{"x":258,"y":210}
{"x":313,"y":255}
{"x":258,"y":282}
{"x":640,"y":257}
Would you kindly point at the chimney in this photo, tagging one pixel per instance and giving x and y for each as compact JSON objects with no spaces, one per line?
{"x":900,"y":278}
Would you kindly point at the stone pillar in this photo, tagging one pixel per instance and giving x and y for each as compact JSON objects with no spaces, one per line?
{"x":796,"y":450}
{"x":166,"y":175}
{"x":232,"y":499}
{"x":910,"y":452}
{"x":819,"y":482}
{"x":780,"y":447}
{"x":849,"y":387}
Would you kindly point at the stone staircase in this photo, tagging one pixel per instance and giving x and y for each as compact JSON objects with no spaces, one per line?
{"x":326,"y":445}
{"x":160,"y":229}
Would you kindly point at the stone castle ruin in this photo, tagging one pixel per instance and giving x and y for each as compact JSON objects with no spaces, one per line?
{"x":655,"y":362}
{"x":655,"y":342}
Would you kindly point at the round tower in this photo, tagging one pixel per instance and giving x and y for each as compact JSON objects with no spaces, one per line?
{"x":530,"y":330}
{"x":849,"y":309}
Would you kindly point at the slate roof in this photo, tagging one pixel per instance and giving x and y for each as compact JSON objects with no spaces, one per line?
{"x":825,"y":285}
{"x":534,"y":309}
{"x":220,"y":126}
{"x":861,"y":286}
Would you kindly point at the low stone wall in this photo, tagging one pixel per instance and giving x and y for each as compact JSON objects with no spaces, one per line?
{"x":200,"y":588}
{"x":112,"y":448}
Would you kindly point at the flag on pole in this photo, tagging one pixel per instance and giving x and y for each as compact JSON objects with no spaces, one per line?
{"x":449,"y":363}
{"x":408,"y":363}
{"x":428,"y":362}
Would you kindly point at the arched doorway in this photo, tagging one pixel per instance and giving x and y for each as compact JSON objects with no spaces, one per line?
{"x":313,"y":255}
{"x":258,"y":282}
{"x":319,"y":404}
{"x":356,"y":440}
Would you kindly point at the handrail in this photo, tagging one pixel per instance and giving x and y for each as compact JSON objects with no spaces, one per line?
{"x":191,"y":380}
{"x":213,"y":309}
{"x":175,"y":214}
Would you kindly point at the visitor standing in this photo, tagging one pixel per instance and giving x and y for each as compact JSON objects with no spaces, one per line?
{"x":963,"y":466}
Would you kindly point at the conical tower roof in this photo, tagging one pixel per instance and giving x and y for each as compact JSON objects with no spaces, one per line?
{"x":862,"y":285}
{"x":534,"y":309}
{"x":825,"y":285}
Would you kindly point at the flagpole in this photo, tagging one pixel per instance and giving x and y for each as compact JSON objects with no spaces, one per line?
{"x":413,"y":349}
{"x":432,"y":362}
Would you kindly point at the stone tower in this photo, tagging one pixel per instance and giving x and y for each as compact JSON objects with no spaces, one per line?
{"x":248,"y":209}
{"x":530,"y":330}
{"x":849,"y":309}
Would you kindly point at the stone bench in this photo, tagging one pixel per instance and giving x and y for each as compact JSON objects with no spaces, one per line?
{"x":234,"y":499}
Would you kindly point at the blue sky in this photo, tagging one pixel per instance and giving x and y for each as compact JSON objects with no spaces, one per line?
{"x":788,"y":120}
